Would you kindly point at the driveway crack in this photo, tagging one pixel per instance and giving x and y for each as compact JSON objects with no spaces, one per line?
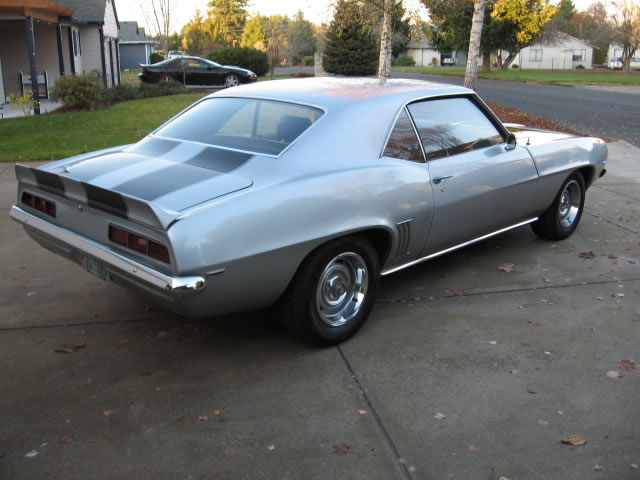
{"x":376,"y":416}
{"x":612,"y":223}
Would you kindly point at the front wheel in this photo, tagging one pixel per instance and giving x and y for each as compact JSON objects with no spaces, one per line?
{"x":563,"y":216}
{"x":332,"y":293}
{"x":231,"y":81}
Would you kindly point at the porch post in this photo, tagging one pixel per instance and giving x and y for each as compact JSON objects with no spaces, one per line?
{"x":32,"y":63}
{"x":104,"y":65}
{"x":118,"y":60}
{"x":113,"y":77}
{"x":72,"y":58}
{"x":60,"y":57}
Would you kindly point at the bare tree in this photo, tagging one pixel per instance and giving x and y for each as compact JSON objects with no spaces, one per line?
{"x":626,"y":21}
{"x":384,"y":63}
{"x":158,"y":15}
{"x":471,"y":74}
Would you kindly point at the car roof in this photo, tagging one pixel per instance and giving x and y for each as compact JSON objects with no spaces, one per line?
{"x":330,"y":92}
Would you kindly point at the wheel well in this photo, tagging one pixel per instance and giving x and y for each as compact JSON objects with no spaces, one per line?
{"x":587,"y":173}
{"x":381,"y":241}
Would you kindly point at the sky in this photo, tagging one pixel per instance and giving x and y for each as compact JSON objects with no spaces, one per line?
{"x":317,"y":11}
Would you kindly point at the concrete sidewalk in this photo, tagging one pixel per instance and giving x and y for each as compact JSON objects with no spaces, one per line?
{"x":462,"y":372}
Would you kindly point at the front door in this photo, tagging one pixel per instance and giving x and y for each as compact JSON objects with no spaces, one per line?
{"x":479,"y":186}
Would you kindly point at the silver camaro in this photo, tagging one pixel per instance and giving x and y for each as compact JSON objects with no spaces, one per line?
{"x":300,"y":194}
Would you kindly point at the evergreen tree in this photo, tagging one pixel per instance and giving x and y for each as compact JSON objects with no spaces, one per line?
{"x":254,"y":34}
{"x":226,"y":19}
{"x":301,"y":38}
{"x":351,"y":46}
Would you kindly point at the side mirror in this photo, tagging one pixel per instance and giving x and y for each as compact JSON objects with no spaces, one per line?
{"x":511,"y":142}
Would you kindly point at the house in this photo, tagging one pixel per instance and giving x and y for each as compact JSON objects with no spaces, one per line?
{"x":562,"y":52}
{"x":426,"y":54}
{"x":41,"y":40}
{"x":135,"y":47}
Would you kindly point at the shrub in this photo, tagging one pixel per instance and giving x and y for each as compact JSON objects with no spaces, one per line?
{"x":303,"y":75}
{"x":155,"y":57}
{"x":403,"y":61}
{"x":25,"y":102}
{"x":580,"y":67}
{"x":245,"y":57}
{"x":161,"y":89}
{"x":120,"y":93}
{"x":308,"y":61}
{"x":434,"y":61}
{"x":78,"y":91}
{"x":515,"y":65}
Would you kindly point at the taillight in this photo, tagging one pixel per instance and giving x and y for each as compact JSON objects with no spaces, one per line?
{"x":139,"y":244}
{"x":45,"y":206}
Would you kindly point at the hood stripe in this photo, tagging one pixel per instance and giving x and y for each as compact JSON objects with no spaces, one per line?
{"x":90,"y":169}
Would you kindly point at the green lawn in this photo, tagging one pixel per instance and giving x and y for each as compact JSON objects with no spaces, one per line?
{"x":558,"y":77}
{"x":59,"y":135}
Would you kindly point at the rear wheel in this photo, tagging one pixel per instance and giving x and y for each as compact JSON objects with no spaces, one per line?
{"x":332,"y":293}
{"x":563,"y":216}
{"x":231,"y":81}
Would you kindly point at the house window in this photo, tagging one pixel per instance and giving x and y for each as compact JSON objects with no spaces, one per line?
{"x":75,"y":43}
{"x":578,"y":55}
{"x":79,"y":44}
{"x":535,"y":54}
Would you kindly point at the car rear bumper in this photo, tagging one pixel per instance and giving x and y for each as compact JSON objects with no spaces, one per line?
{"x":74,"y":246}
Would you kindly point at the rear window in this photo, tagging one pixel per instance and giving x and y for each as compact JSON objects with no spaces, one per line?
{"x":261,"y":126}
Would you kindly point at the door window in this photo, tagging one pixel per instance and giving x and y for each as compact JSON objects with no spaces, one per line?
{"x":449,"y":126}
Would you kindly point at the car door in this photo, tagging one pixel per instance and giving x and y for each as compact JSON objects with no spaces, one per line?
{"x":195,"y":71}
{"x":480,"y":184}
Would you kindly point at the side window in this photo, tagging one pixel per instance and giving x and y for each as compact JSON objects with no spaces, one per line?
{"x":403,"y":142}
{"x":450,"y":126}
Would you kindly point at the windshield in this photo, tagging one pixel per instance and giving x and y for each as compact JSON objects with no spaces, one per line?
{"x":262,"y":126}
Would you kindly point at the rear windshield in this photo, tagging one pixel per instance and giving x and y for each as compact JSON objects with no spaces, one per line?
{"x":261,"y":126}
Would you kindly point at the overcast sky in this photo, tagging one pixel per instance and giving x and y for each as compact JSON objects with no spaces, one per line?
{"x":318,"y":11}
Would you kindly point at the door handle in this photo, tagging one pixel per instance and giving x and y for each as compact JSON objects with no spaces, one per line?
{"x":439,"y":180}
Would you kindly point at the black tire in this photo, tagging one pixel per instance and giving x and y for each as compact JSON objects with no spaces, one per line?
{"x":346,"y":272}
{"x":231,"y":80}
{"x":563,"y":216}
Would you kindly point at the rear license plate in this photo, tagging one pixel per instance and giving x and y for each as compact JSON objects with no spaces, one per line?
{"x":94,"y":267}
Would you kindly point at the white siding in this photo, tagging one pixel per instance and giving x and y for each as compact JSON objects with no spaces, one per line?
{"x":561,"y":55}
{"x":110,"y":25}
{"x":423,"y":56}
{"x":91,"y":59}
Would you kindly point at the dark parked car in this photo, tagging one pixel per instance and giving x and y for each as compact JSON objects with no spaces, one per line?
{"x":196,"y":71}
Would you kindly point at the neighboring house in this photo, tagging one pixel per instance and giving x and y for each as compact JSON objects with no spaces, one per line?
{"x":426,"y":54}
{"x":40,"y":40}
{"x":563,"y":52}
{"x":615,"y":51}
{"x":135,"y":47}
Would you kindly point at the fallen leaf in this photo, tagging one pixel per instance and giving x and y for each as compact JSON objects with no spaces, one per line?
{"x":70,"y":347}
{"x":216,"y":412}
{"x":162,"y":334}
{"x":507,"y":267}
{"x":637,"y":292}
{"x":613,"y":257}
{"x":531,"y":390}
{"x":598,"y":467}
{"x":341,"y":449}
{"x":543,"y":422}
{"x":547,"y":353}
{"x":179,"y":418}
{"x":147,"y":309}
{"x":547,"y":280}
{"x":560,"y":412}
{"x":271,"y":447}
{"x":627,"y":364}
{"x":30,"y":294}
{"x":65,"y":439}
{"x":634,"y":466}
{"x":400,"y":460}
{"x":416,"y":299}
{"x":614,"y":374}
{"x":576,"y":440}
{"x":203,"y":418}
{"x":439,"y":416}
{"x":107,"y":413}
{"x":31,"y":454}
{"x":159,"y":389}
{"x":473,"y":448}
{"x":362,"y":412}
{"x":599,"y":298}
{"x":590,"y":255}
{"x":617,"y":295}
{"x":533,"y":322}
{"x":492,"y":342}
{"x":504,"y":478}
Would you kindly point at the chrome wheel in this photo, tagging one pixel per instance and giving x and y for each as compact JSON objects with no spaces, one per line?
{"x":231,"y":81}
{"x":342,"y":289}
{"x":569,"y":204}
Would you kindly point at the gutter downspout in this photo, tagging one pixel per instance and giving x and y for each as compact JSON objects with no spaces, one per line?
{"x":104,"y":65}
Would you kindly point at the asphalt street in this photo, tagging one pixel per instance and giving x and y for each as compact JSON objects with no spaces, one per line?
{"x":463,"y":371}
{"x":598,"y":112}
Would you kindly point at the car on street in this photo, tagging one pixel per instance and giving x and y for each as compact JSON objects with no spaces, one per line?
{"x":175,"y":54}
{"x":298,"y":195}
{"x":196,"y":71}
{"x":617,"y":64}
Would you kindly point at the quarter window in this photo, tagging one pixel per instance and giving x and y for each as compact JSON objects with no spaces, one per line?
{"x":450,"y":126}
{"x":403,"y":142}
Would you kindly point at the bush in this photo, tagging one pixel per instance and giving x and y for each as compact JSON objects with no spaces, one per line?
{"x":155,"y":57}
{"x":403,"y":61}
{"x":303,"y":75}
{"x":245,"y":57}
{"x":78,"y":91}
{"x":161,"y":89}
{"x":580,"y":67}
{"x":515,"y":65}
{"x":308,"y":61}
{"x":120,"y":93}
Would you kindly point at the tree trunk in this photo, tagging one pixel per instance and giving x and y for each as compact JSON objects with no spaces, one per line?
{"x":471,"y":75}
{"x":486,"y":62}
{"x":507,"y":61}
{"x":384,"y":63}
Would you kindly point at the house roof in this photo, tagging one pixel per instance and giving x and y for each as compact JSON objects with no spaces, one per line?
{"x":130,"y":32}
{"x":89,"y":11}
{"x":561,"y":37}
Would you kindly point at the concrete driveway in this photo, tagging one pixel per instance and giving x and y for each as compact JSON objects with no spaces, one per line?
{"x":462,"y":372}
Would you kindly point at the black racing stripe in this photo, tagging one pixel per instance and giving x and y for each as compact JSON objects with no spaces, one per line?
{"x":219,"y":159}
{"x":153,"y":147}
{"x":162,"y":182}
{"x":49,"y":182}
{"x":94,"y":168}
{"x":106,"y":200}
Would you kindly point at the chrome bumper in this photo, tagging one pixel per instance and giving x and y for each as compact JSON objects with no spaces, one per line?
{"x":69,"y":241}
